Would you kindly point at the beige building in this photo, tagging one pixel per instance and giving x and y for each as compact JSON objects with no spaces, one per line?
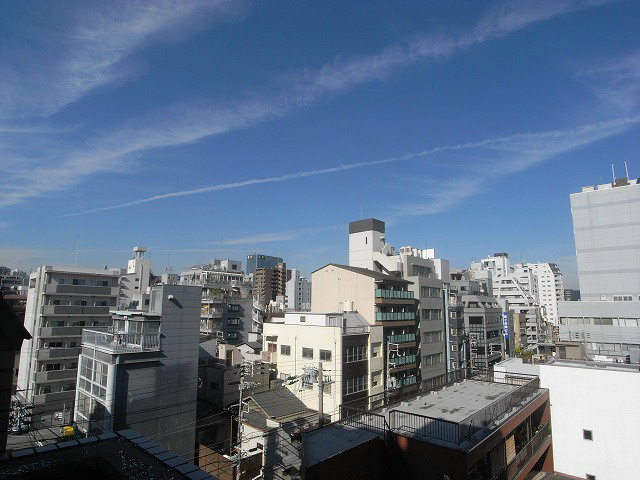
{"x":349,"y":347}
{"x":382,"y":300}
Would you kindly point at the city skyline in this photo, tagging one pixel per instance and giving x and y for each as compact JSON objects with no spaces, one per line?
{"x":216,"y":129}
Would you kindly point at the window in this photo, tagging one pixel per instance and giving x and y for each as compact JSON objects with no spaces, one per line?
{"x":431,"y":314}
{"x":234,"y":308}
{"x":355,"y":353}
{"x":376,"y":378}
{"x":77,"y":281}
{"x":285,"y":349}
{"x":355,"y":385}
{"x":430,"y":292}
{"x":303,"y":319}
{"x":587,"y":434}
{"x":102,"y":283}
{"x":307,"y":352}
{"x":431,"y":337}
{"x":233,"y":321}
{"x":375,"y":350}
{"x":325,"y":355}
{"x":231,"y":335}
{"x":429,"y":360}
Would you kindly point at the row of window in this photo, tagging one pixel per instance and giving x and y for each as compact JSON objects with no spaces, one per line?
{"x":431,"y":314}
{"x":434,"y":359}
{"x":621,"y":322}
{"x":431,"y":337}
{"x":80,"y":281}
{"x":430,"y":292}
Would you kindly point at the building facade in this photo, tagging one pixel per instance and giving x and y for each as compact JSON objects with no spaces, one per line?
{"x":369,"y":249}
{"x":270,"y":283}
{"x":258,"y":260}
{"x":298,"y":291}
{"x":141,"y":372}
{"x":60,"y":302}
{"x":607,"y":318}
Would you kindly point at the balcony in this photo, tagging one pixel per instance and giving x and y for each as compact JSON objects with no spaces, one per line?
{"x":54,"y":398}
{"x":61,"y":331}
{"x":404,"y":360}
{"x":385,"y":293}
{"x":115,"y":343}
{"x":82,"y":290}
{"x":74,"y":310}
{"x":50,"y":353}
{"x":51,"y":375}
{"x":391,"y":316}
{"x":405,"y":382}
{"x":402,"y":338}
{"x":528,"y":452}
{"x":269,"y":357}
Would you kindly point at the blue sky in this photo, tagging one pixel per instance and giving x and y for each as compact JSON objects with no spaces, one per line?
{"x":209,"y":129}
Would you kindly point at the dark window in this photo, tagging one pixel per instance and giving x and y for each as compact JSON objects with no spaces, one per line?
{"x":325,"y":355}
{"x":285,"y":349}
{"x":307,"y":352}
{"x":587,"y":435}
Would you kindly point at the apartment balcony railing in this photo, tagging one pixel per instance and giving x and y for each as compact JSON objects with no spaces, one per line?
{"x":405,"y":382}
{"x":47,"y":376}
{"x":60,"y":331}
{"x":82,"y":290}
{"x":390,"y":316}
{"x":402,"y":338}
{"x":269,"y":357}
{"x":121,"y":342}
{"x":74,"y":310}
{"x":49,"y":353}
{"x":397,"y":361}
{"x":385,"y":293}
{"x":516,"y":465}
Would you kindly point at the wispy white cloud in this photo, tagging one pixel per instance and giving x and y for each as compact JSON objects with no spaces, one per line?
{"x":259,"y":238}
{"x":92,"y":50}
{"x":187,"y":123}
{"x":4,"y":224}
{"x":502,"y":156}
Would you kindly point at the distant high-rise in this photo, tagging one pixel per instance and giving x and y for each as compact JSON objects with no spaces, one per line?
{"x":298,"y":292}
{"x":269,"y":283}
{"x":257,"y":260}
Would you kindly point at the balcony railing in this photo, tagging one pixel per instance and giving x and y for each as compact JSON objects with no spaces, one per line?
{"x":269,"y":357}
{"x":405,"y":382}
{"x":121,"y":342}
{"x":402,"y":338}
{"x":397,"y":361}
{"x":390,"y":316}
{"x":530,"y":449}
{"x":82,"y":290}
{"x":385,"y":293}
{"x":74,"y":310}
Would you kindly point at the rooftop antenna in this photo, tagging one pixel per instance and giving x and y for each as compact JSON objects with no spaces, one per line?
{"x":626,"y":171}
{"x":613,"y":172}
{"x":360,"y":210}
{"x":77,"y":248}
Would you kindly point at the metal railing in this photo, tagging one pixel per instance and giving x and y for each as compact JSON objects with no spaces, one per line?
{"x":524,"y":456}
{"x":389,"y":316}
{"x":401,"y":338}
{"x":386,"y":293}
{"x":429,"y":427}
{"x":121,"y":342}
{"x":403,"y":360}
{"x":364,"y":420}
{"x":406,"y":381}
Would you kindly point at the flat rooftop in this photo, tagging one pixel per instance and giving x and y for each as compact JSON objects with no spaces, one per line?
{"x":329,"y":441}
{"x":456,"y":402}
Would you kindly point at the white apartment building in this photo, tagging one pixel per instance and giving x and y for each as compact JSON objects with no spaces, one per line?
{"x":135,"y":281}
{"x":60,"y":302}
{"x":606,"y":221}
{"x":349,"y":347}
{"x":550,"y":287}
{"x":369,"y":249}
{"x":141,"y":371}
{"x":594,"y":414}
{"x":298,"y":292}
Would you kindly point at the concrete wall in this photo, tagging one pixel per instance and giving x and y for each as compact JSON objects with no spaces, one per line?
{"x":331,"y":286}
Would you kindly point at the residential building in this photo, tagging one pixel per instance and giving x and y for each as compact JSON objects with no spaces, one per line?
{"x":571,"y":295}
{"x":550,"y":287}
{"x":479,"y":427}
{"x":257,"y":260}
{"x":594,"y":413}
{"x":476,"y":328}
{"x":142,"y":371}
{"x":369,"y":249}
{"x":227,"y":303}
{"x":12,"y":280}
{"x":298,"y":292}
{"x":516,"y":289}
{"x":349,"y":347}
{"x":607,"y":318}
{"x":60,"y":302}
{"x":270,"y":283}
{"x":382,"y":300}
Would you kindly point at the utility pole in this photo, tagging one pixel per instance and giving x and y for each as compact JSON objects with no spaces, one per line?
{"x":246,"y":368}
{"x":321,"y":395}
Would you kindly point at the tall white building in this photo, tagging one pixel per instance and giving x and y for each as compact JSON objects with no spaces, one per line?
{"x":298,"y":292}
{"x":550,"y":288}
{"x":136,"y":281}
{"x":60,"y":302}
{"x":606,"y":227}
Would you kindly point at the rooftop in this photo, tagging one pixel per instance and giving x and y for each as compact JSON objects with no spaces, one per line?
{"x":377,"y":276}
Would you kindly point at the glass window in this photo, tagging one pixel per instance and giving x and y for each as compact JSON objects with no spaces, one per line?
{"x":285,"y":349}
{"x":307,"y":352}
{"x":325,"y":355}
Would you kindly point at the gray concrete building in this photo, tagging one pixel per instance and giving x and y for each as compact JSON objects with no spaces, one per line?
{"x":141,"y":372}
{"x":476,"y":333}
{"x":60,"y":302}
{"x":606,"y":226}
{"x":298,"y":292}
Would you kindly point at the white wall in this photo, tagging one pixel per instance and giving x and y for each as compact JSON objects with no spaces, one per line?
{"x":605,"y":401}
